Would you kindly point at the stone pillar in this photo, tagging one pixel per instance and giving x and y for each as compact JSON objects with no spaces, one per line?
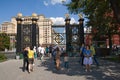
{"x":35,"y":30}
{"x":67,"y":29}
{"x":81,"y":29}
{"x":18,"y":37}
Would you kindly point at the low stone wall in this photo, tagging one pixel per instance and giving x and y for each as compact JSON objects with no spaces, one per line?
{"x":102,"y":52}
{"x":9,"y":55}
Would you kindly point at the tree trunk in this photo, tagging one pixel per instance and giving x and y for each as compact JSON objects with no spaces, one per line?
{"x":110,"y":41}
{"x":116,"y":8}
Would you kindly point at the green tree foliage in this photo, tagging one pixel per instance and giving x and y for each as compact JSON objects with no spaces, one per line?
{"x":98,"y":12}
{"x":115,"y":4}
{"x":102,"y":15}
{"x":78,"y":6}
{"x":4,"y":41}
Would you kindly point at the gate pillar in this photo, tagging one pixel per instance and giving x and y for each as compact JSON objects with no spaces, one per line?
{"x":67,"y":30}
{"x":35,"y":31}
{"x":74,"y":36}
{"x":18,"y":37}
{"x":81,"y":29}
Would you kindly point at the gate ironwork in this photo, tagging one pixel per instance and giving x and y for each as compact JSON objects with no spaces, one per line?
{"x":74,"y":36}
{"x":58,"y":35}
{"x":27,"y":34}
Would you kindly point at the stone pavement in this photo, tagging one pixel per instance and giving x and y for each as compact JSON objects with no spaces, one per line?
{"x":12,"y":70}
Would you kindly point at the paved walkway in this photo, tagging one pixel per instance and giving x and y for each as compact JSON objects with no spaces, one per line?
{"x":12,"y":70}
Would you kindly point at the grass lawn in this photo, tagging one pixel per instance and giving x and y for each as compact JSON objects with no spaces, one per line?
{"x":2,"y":57}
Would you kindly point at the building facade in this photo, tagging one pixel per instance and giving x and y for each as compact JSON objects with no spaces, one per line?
{"x":10,"y":29}
{"x":44,"y":25}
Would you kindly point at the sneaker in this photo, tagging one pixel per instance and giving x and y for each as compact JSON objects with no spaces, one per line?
{"x":28,"y":72}
{"x":33,"y":64}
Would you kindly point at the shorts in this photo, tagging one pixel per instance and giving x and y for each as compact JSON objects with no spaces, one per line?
{"x":31,"y":60}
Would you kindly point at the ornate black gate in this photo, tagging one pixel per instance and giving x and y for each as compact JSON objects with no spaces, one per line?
{"x":74,"y":36}
{"x":27,"y":34}
{"x":58,"y":35}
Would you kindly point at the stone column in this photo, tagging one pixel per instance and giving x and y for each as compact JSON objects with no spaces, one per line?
{"x":18,"y":37}
{"x":81,"y":29}
{"x":67,"y":29}
{"x":35,"y":34}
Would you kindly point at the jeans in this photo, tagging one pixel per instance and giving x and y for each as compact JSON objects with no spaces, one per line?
{"x":25,"y":64}
{"x":95,"y":59}
{"x":81,"y":60}
{"x":66,"y":65}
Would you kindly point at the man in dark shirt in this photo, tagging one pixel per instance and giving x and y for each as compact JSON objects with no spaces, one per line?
{"x":25,"y":59}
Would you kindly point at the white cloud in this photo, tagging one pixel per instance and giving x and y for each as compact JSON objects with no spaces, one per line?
{"x":45,"y":3}
{"x":58,"y":20}
{"x":61,"y":20}
{"x":72,"y":21}
{"x":53,"y":2}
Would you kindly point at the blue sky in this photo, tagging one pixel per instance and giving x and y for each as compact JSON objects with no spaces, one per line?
{"x":53,"y":9}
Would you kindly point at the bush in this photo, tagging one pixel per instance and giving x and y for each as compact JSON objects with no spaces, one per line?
{"x":2,"y":57}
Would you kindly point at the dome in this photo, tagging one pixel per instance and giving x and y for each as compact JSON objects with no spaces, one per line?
{"x":34,"y":15}
{"x":19,"y":15}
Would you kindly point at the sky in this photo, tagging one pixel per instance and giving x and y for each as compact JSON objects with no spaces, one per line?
{"x":53,"y":9}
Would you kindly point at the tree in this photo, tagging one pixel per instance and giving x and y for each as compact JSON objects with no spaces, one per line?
{"x":97,"y":13}
{"x":115,"y":4}
{"x":4,"y":41}
{"x":76,"y":6}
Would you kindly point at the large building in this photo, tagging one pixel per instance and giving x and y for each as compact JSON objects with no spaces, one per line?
{"x":10,"y":29}
{"x":44,"y":24}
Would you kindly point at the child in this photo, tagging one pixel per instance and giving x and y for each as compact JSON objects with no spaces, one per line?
{"x":87,"y":58}
{"x":66,"y":65}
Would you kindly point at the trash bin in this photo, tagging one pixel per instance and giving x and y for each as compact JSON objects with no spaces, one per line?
{"x":21,"y":56}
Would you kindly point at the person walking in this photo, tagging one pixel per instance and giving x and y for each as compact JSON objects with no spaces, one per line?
{"x":115,"y":49}
{"x":25,"y":59}
{"x":35,"y":52}
{"x":57,"y":57}
{"x":39,"y":52}
{"x":66,"y":63}
{"x":54,"y":54}
{"x":92,"y":48}
{"x":87,"y":58}
{"x":47,"y":51}
{"x":30,"y":59}
{"x":82,"y":49}
{"x":42,"y":51}
{"x":50,"y":51}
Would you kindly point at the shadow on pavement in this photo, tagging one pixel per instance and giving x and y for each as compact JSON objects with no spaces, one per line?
{"x":75,"y":69}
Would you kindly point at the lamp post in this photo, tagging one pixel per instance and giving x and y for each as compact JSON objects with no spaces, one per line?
{"x":81,"y":31}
